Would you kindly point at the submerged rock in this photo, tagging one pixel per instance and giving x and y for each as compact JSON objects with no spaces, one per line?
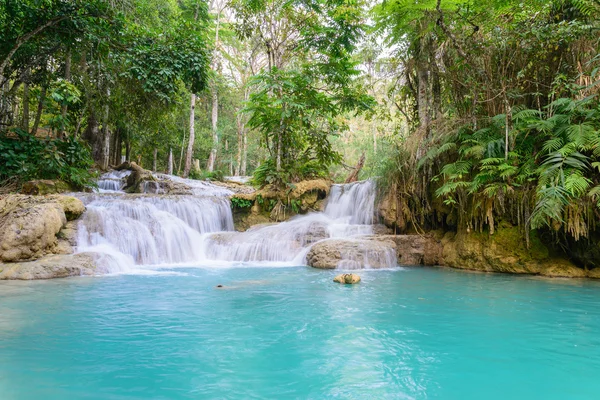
{"x":348,"y":279}
{"x":54,"y":266}
{"x":352,"y":254}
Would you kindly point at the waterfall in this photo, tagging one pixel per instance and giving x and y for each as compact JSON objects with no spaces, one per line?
{"x":354,"y":202}
{"x":113,"y":181}
{"x":349,"y":212}
{"x":148,"y":230}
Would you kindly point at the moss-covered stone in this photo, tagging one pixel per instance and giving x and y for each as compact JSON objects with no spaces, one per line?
{"x":274,"y":204}
{"x":45,"y":186}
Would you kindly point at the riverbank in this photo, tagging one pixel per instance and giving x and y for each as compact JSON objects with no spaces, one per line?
{"x":174,"y":221}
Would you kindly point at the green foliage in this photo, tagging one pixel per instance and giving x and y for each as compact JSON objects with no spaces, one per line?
{"x":236,"y":202}
{"x":295,"y":171}
{"x":204,"y":175}
{"x":26,"y":157}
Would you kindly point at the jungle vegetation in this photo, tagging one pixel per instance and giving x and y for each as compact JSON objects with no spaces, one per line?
{"x":470,"y":113}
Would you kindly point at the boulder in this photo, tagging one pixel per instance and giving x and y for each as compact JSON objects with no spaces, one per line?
{"x":72,"y":207}
{"x":30,"y":232}
{"x":32,"y":226}
{"x":414,"y":249}
{"x":54,"y":266}
{"x":45,"y":186}
{"x":349,"y":279}
{"x":352,"y":254}
{"x":137,"y":178}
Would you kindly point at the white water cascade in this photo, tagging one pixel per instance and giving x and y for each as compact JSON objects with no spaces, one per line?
{"x":349,"y":212}
{"x":132,"y":230}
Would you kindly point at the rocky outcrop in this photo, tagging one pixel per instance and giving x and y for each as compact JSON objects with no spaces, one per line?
{"x":506,"y":252}
{"x":54,"y":266}
{"x":415,"y":249}
{"x":30,"y":226}
{"x":274,"y":204}
{"x":138,"y":177}
{"x":352,"y":254}
{"x":348,"y":279}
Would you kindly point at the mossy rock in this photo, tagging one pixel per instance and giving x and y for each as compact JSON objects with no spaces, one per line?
{"x":45,"y":186}
{"x":505,"y":251}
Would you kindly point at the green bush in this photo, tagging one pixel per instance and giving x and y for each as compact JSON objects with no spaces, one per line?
{"x":25,"y":157}
{"x":296,"y":171}
{"x":241,"y":203}
{"x":216,"y":175}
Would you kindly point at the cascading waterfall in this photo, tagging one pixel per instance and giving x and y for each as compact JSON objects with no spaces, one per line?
{"x":147,"y":229}
{"x":113,"y":181}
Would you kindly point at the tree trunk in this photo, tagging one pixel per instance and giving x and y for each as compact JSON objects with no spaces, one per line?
{"x":170,"y":162}
{"x":128,"y":150}
{"x":25,"y":121}
{"x":154,"y":159}
{"x":240,"y":144}
{"x":38,"y":114}
{"x":105,"y":137}
{"x":92,"y":136}
{"x":245,"y":153}
{"x":190,"y":147}
{"x":423,"y":98}
{"x":63,"y":111}
{"x":210,"y":165}
{"x":353,"y":177}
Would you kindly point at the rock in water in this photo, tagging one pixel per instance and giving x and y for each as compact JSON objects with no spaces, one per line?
{"x":349,"y":279}
{"x":352,"y":254}
{"x":55,"y":266}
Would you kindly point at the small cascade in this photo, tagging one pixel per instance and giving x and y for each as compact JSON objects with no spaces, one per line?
{"x":113,"y":181}
{"x":353,"y":202}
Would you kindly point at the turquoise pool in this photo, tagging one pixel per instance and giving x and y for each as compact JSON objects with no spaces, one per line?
{"x":278,"y":333}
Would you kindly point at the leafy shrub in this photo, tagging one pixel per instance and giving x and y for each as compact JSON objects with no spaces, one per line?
{"x":216,"y":175}
{"x":236,"y":202}
{"x":25,"y":157}
{"x":296,"y":171}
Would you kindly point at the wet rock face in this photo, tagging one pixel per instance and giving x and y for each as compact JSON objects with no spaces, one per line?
{"x":352,"y":254}
{"x":30,"y":226}
{"x":55,"y":266}
{"x":348,"y":279}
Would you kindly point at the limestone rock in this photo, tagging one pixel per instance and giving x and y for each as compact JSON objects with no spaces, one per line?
{"x":54,"y":266}
{"x":72,"y":206}
{"x":348,"y":279}
{"x":415,"y":249}
{"x":29,"y":232}
{"x":352,"y":254}
{"x":33,"y":226}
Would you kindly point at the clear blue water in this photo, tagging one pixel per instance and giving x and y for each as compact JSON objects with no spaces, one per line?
{"x":278,"y":333}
